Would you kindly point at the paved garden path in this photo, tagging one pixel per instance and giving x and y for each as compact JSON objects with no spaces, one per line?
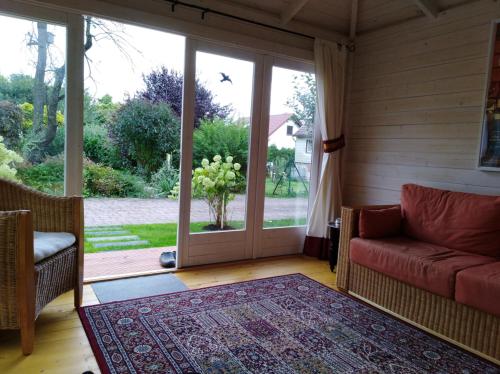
{"x":126,"y":211}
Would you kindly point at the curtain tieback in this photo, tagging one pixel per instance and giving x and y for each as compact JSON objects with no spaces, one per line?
{"x":332,"y":145}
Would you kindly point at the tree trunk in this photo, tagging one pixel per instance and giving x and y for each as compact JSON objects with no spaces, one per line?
{"x":39,"y":92}
{"x":52,"y":104}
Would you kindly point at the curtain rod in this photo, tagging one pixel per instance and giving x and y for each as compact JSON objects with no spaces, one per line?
{"x":205,"y":11}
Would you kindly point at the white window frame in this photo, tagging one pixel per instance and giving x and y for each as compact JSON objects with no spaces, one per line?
{"x":73,"y":144}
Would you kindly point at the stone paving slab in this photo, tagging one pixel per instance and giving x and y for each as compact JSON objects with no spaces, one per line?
{"x":123,"y":211}
{"x":106,"y":233}
{"x":101,"y":228}
{"x":113,"y":238}
{"x":120,"y":244}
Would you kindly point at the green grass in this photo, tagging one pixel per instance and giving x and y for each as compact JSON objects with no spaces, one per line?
{"x":165,"y":234}
{"x":297,"y":189}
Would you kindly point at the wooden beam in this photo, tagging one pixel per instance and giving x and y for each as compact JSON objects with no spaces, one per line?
{"x":354,"y":19}
{"x":429,"y":7}
{"x":292,"y":10}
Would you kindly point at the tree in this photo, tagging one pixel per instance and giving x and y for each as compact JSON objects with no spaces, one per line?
{"x":165,"y":85}
{"x":51,"y":95}
{"x":145,"y":133}
{"x":220,"y":137}
{"x":17,"y":88}
{"x":99,"y":112}
{"x":303,"y":100}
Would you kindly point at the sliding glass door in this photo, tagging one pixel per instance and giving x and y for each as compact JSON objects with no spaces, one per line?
{"x":247,"y":155}
{"x":246,"y":170}
{"x":219,"y":159}
{"x":288,"y":159}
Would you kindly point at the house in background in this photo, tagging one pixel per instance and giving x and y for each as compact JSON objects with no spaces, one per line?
{"x":281,"y":130}
{"x":303,"y":150}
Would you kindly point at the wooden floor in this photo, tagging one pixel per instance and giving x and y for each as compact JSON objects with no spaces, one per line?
{"x":62,"y":347}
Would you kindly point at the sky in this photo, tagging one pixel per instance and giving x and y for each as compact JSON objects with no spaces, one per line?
{"x":119,"y":73}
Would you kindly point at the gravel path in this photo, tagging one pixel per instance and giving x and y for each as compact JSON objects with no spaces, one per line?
{"x":123,"y":211}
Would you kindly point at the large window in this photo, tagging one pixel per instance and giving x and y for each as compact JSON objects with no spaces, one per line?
{"x":221,"y":136}
{"x":289,"y":162}
{"x":32,"y":103}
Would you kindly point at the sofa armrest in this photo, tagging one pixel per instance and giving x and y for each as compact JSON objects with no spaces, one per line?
{"x":349,"y":230}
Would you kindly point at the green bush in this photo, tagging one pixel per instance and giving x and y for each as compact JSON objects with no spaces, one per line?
{"x":11,"y":119}
{"x":105,"y":181}
{"x":46,"y":177}
{"x":97,"y":145}
{"x":145,"y":133}
{"x":165,"y":179}
{"x":221,"y":138}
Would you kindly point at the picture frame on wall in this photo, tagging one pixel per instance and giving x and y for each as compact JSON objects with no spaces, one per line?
{"x":489,"y":157}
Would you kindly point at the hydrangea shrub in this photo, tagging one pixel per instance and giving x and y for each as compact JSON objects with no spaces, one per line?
{"x":215,"y":182}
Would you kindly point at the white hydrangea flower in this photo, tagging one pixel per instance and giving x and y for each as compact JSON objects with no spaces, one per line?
{"x":237,"y":166}
{"x":229,"y":159}
{"x":230,"y":175}
{"x":217,"y":158}
{"x":205,"y":162}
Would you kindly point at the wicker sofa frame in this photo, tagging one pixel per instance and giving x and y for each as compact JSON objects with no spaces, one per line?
{"x":26,"y":287}
{"x":467,"y":327}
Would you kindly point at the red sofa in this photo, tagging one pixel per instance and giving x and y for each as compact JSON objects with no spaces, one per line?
{"x":441,"y":247}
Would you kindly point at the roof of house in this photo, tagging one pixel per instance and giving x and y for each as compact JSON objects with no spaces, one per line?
{"x":304,"y":132}
{"x":277,"y":120}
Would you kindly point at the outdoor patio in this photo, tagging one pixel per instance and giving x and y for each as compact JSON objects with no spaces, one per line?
{"x":121,"y":263}
{"x":104,"y":220}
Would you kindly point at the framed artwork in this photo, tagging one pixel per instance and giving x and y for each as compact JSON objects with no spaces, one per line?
{"x":489,"y":158}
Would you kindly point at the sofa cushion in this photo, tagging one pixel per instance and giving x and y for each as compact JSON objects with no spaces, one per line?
{"x":423,"y":265}
{"x":462,"y":221}
{"x":479,"y":287}
{"x":49,"y":243}
{"x":380,"y":223}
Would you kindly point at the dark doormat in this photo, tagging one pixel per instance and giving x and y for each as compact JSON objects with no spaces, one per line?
{"x":132,"y":288}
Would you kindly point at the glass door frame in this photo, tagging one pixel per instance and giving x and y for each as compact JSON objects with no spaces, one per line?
{"x":73,"y":142}
{"x":212,"y":247}
{"x":280,"y":241}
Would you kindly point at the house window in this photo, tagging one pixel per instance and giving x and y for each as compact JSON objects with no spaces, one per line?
{"x":289,"y":130}
{"x":309,"y":146}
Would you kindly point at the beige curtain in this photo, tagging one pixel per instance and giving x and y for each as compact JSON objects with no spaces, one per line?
{"x":331,"y":67}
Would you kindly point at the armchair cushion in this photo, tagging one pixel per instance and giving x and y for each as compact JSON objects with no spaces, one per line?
{"x":49,"y":243}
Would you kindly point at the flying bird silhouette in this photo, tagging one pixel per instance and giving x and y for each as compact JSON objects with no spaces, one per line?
{"x":225,"y":78}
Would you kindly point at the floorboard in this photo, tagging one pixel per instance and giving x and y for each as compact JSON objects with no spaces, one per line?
{"x":62,"y":347}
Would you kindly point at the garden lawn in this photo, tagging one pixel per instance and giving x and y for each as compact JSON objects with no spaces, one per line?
{"x":297,"y":189}
{"x":165,"y":234}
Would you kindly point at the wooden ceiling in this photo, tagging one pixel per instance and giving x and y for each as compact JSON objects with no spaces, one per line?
{"x":332,"y":16}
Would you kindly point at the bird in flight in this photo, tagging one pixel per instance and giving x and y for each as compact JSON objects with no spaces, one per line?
{"x":225,"y":78}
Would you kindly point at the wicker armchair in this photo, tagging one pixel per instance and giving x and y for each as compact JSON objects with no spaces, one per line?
{"x":26,"y":287}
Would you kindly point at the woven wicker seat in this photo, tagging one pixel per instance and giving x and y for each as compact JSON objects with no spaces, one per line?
{"x":26,"y":287}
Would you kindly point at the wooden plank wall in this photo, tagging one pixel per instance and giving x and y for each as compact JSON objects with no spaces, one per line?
{"x":415,"y":106}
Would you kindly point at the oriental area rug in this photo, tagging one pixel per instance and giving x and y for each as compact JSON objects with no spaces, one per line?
{"x":287,"y":324}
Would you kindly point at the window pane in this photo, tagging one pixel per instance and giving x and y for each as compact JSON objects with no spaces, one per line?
{"x":290,"y":145}
{"x":220,"y":142}
{"x":32,"y":100}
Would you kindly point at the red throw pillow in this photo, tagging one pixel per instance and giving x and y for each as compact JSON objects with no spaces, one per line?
{"x":380,"y":223}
